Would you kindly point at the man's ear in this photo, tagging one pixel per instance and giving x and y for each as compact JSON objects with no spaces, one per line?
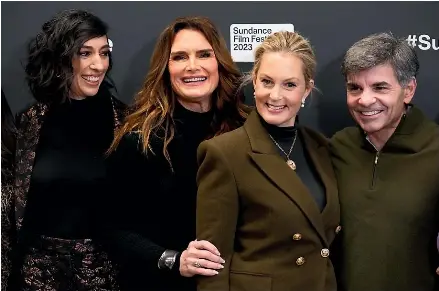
{"x":409,"y":90}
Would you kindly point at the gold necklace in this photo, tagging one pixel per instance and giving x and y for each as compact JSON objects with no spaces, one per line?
{"x":290,"y":162}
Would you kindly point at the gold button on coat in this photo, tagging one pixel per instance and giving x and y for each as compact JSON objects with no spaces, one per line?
{"x":325,"y":253}
{"x":297,"y":236}
{"x":300,"y":261}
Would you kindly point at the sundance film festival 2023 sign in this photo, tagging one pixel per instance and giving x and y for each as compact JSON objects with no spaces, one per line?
{"x":245,"y":38}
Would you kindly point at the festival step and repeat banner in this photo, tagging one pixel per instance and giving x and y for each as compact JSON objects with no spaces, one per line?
{"x":330,"y":26}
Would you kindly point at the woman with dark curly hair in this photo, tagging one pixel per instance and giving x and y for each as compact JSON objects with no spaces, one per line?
{"x":60,"y":168}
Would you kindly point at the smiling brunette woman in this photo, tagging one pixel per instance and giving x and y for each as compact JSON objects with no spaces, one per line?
{"x":189,"y":95}
{"x":60,"y":151}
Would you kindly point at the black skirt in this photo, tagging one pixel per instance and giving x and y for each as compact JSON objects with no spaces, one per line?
{"x":67,"y":265}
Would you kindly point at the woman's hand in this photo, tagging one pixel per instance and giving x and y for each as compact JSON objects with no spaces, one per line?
{"x":200,"y":258}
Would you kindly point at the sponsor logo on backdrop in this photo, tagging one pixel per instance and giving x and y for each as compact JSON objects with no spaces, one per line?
{"x":244,"y":38}
{"x":423,"y":42}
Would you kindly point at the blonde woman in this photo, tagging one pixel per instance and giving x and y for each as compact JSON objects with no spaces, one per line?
{"x":267,"y":196}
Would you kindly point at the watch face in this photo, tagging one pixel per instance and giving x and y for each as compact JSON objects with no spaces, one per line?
{"x":169,"y":262}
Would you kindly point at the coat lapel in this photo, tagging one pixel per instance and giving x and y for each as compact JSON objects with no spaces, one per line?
{"x":322,"y":162}
{"x":268,"y":160}
{"x":119,"y":111}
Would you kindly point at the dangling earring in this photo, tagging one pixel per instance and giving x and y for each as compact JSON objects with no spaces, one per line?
{"x":303,"y":103}
{"x":254,"y":94}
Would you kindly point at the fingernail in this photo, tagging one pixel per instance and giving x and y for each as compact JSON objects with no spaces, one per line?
{"x":221,"y":267}
{"x":215,"y":272}
{"x":222,"y":261}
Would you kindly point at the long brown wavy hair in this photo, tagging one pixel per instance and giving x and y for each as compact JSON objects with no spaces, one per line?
{"x":152,"y":111}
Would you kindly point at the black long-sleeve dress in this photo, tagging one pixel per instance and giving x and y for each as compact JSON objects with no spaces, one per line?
{"x":152,"y":208}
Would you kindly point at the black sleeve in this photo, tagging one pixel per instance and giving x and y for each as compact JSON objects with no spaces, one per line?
{"x":121,"y":228}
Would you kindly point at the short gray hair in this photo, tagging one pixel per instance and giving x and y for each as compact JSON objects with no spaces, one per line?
{"x":378,"y":49}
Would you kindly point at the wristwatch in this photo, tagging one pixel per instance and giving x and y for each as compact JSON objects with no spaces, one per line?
{"x":167,"y":259}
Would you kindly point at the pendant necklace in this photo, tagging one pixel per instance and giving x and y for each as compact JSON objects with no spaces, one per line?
{"x":289,"y":162}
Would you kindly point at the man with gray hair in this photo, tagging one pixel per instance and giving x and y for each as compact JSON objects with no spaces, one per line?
{"x":388,"y":174}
